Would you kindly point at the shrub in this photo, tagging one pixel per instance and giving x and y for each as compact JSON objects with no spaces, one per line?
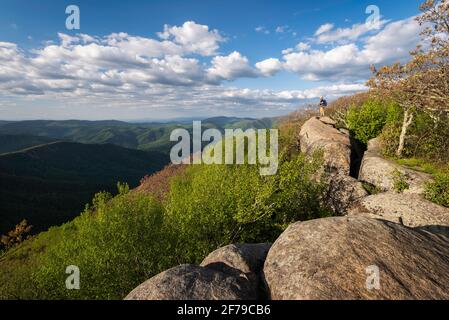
{"x":214,"y":205}
{"x":158,"y":183}
{"x":367,"y":122}
{"x":16,"y":236}
{"x":117,"y":243}
{"x":438,"y":191}
{"x":400,"y":183}
{"x":427,"y":139}
{"x":338,"y":108}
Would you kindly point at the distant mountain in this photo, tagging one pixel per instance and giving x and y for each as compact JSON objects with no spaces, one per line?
{"x":142,"y":136}
{"x":50,"y":184}
{"x":224,"y":121}
{"x":10,"y":143}
{"x":48,"y":181}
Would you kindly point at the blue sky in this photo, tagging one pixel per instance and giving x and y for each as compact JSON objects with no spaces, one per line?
{"x":244,"y":58}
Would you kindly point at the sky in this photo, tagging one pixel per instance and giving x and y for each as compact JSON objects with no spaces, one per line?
{"x":161,"y":59}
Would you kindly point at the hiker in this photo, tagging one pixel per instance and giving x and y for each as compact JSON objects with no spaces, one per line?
{"x":323,"y":104}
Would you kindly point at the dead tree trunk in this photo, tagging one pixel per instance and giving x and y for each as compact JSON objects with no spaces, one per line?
{"x":408,"y":118}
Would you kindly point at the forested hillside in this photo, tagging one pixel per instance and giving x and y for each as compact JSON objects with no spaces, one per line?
{"x":11,"y":142}
{"x":142,"y":136}
{"x":51,"y":183}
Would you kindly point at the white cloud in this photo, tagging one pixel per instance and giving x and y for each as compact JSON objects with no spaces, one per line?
{"x":394,"y":42}
{"x":302,"y":46}
{"x":269,"y":67}
{"x":193,"y":37}
{"x":324,"y":28}
{"x":352,"y":61}
{"x":290,"y":97}
{"x":342,"y":35}
{"x":174,"y":70}
{"x":230,"y":67}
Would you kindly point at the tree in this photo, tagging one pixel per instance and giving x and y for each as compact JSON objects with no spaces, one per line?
{"x":423,"y":83}
{"x":17,"y":235}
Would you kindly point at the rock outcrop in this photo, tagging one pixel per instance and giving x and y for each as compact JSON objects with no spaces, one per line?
{"x":190,"y":282}
{"x":316,"y":135}
{"x":409,"y":209}
{"x":335,"y":258}
{"x":319,"y":134}
{"x":379,"y":171}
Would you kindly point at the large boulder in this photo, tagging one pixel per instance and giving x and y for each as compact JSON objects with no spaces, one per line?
{"x":379,"y":171}
{"x":338,"y":258}
{"x":190,"y":282}
{"x":316,"y":135}
{"x":411,"y":210}
{"x":328,"y":121}
{"x":342,"y":192}
{"x":243,"y":258}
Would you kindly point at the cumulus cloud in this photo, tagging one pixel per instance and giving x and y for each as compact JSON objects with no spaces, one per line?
{"x":351,"y":61}
{"x":118,"y":62}
{"x":231,"y":67}
{"x":302,"y":46}
{"x":288,"y":98}
{"x":193,"y":37}
{"x":181,"y":68}
{"x":269,"y":67}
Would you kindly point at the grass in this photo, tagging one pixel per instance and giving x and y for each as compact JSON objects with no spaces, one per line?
{"x":371,"y":189}
{"x":436,"y":191}
{"x":423,"y":166}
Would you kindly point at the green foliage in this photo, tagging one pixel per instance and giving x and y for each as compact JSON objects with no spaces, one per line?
{"x":18,"y":264}
{"x":215,"y":205}
{"x":117,"y":243}
{"x":427,"y":138}
{"x":400,"y":183}
{"x":366,"y":122}
{"x":438,"y":191}
{"x":421,"y":165}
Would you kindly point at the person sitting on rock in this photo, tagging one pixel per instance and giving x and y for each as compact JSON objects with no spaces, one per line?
{"x":323,"y":104}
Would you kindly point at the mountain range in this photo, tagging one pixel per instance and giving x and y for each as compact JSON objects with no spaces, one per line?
{"x":49,"y":170}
